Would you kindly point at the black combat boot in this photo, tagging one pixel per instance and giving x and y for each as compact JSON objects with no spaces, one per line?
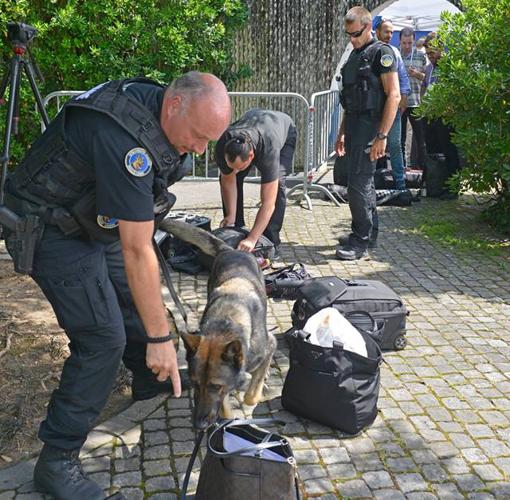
{"x":59,"y":473}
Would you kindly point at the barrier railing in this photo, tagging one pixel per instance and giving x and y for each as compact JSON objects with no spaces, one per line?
{"x":295,"y":105}
{"x":316,"y":122}
{"x":323,"y":128}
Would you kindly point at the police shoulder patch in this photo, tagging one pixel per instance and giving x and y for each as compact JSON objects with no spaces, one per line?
{"x":138,"y":162}
{"x":386,"y":60}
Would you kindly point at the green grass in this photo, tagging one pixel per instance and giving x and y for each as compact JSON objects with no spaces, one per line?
{"x":458,"y":225}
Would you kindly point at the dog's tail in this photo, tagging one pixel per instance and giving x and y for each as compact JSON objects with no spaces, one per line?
{"x":204,"y":240}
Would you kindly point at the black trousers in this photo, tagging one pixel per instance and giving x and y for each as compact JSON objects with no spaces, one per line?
{"x":438,"y":138}
{"x":418,"y":126}
{"x":360,"y":186}
{"x":87,"y":287}
{"x":272,"y":231}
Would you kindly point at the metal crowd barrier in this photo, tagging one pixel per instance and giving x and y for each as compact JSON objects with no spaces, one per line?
{"x":204,"y":168}
{"x":317,"y":125}
{"x":324,"y":122}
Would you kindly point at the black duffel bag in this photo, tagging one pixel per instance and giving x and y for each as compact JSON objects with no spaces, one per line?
{"x":374,"y":297}
{"x":330,"y":385}
{"x":232,"y":236}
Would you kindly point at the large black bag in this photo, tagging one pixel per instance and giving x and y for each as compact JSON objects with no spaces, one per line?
{"x":341,"y":171}
{"x":374,"y":297}
{"x":283,"y":283}
{"x":180,"y":254}
{"x":330,"y":385}
{"x":232,"y":236}
{"x":437,"y":175}
{"x":248,"y":473}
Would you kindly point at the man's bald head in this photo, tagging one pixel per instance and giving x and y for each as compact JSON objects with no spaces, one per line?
{"x":196,"y":110}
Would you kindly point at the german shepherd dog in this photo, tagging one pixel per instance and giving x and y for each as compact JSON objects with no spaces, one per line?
{"x":232,"y":347}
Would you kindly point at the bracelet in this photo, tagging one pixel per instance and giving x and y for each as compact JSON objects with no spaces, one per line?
{"x":158,"y":340}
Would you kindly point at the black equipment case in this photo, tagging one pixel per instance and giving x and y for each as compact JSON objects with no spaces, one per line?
{"x":363,"y":296}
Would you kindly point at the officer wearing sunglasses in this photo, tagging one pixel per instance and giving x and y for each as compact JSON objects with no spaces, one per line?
{"x":370,"y":97}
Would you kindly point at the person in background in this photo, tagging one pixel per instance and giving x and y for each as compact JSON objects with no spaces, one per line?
{"x":415,"y":63}
{"x":438,"y":135}
{"x":384,"y":32}
{"x":370,"y":98}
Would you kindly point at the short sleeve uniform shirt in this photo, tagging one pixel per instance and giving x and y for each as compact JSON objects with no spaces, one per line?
{"x":99,"y":140}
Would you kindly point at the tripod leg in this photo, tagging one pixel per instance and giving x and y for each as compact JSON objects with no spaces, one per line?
{"x":40,"y":105}
{"x":14,"y":87}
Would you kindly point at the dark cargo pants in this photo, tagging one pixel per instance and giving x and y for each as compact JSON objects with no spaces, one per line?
{"x":86,"y":285}
{"x":360,"y":185}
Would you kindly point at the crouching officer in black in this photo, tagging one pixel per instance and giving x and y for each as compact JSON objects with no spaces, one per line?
{"x":266,"y":139}
{"x":370,"y":97}
{"x":96,"y":177}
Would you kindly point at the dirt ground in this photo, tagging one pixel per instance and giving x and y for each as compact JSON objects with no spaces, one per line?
{"x":32,"y":351}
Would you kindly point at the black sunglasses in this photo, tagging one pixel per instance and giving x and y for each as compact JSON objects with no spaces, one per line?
{"x":356,"y":34}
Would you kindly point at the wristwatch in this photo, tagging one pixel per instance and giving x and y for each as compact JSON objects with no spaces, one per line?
{"x":381,"y":136}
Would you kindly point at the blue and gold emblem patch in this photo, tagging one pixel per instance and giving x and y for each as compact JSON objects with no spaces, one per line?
{"x":107,"y":222}
{"x":386,"y":60}
{"x":138,"y":162}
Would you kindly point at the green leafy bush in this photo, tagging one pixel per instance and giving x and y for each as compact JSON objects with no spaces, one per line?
{"x":473,"y":95}
{"x":82,"y":43}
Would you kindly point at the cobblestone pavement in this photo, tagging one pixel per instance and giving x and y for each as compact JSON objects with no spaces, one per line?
{"x":443,"y":425}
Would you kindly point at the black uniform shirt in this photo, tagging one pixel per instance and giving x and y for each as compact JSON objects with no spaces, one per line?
{"x":268,"y":131}
{"x":105,"y":144}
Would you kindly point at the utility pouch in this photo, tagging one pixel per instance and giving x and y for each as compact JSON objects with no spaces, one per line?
{"x":22,"y":238}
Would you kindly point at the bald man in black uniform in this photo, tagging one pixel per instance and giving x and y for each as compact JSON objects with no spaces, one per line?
{"x":97,"y":178}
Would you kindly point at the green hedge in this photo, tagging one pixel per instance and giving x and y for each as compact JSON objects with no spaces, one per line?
{"x":82,"y":43}
{"x":473,"y":94}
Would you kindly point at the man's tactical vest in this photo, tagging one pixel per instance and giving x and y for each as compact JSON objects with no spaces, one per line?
{"x":362,"y":90}
{"x":54,"y":183}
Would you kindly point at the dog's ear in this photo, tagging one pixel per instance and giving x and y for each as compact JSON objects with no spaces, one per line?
{"x":191,"y":341}
{"x":233,"y":354}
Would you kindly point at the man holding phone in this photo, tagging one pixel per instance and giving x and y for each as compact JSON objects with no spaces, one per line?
{"x":370,"y":98}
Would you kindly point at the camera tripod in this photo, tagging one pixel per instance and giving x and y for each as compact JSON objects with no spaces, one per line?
{"x":26,"y":228}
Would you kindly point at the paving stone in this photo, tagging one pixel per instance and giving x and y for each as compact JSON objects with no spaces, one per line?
{"x":468,"y":482}
{"x":388,"y":494}
{"x":378,"y":479}
{"x":162,"y":483}
{"x":410,"y":482}
{"x":334,"y":456}
{"x":155,"y":452}
{"x":132,"y":478}
{"x":132,"y":493}
{"x":487,"y":472}
{"x":421,"y":495}
{"x":354,"y":489}
{"x":341,"y":471}
{"x":494,"y":448}
{"x":448,"y":491}
{"x":98,"y":464}
{"x":155,"y":438}
{"x":317,"y":486}
{"x":102,"y":479}
{"x":400,"y":464}
{"x":481,"y":496}
{"x":7,"y":495}
{"x":367,"y":462}
{"x":131,"y":464}
{"x":156,"y":467}
{"x":306,"y":456}
{"x":311,"y":472}
{"x":434,"y":473}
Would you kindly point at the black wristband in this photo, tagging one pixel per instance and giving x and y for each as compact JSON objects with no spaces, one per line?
{"x":158,"y":340}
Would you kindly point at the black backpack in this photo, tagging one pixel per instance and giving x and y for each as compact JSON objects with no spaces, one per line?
{"x":232,"y":236}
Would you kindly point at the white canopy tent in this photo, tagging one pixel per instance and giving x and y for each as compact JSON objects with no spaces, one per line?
{"x":418,"y":15}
